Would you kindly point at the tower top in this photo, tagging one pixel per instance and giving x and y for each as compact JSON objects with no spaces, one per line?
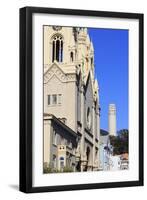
{"x":112,"y":106}
{"x":112,"y":109}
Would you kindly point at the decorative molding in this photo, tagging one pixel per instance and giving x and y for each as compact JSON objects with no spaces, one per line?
{"x":55,"y":70}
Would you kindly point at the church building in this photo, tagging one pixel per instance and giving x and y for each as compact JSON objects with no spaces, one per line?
{"x":71,"y":100}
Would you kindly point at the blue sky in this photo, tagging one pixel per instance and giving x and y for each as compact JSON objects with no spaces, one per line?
{"x":111,"y":70}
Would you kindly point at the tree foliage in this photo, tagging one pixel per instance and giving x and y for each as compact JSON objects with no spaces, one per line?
{"x":120,"y":142}
{"x":50,"y":169}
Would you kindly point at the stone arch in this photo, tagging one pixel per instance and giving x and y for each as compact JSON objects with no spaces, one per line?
{"x":57,"y":47}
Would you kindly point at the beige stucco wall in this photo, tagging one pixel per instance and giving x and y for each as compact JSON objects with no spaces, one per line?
{"x":67,"y":109}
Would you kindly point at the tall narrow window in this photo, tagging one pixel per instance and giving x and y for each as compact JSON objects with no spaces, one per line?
{"x":71,"y":57}
{"x":57,"y":48}
{"x":49,"y":99}
{"x":61,"y":51}
{"x":54,"y":99}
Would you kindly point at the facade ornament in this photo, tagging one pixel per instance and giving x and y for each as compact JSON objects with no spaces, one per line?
{"x":57,"y":28}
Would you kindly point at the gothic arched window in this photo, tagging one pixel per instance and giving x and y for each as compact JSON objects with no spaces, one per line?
{"x":57,"y":48}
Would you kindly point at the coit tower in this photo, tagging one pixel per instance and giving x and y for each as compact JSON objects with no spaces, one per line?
{"x":112,"y":119}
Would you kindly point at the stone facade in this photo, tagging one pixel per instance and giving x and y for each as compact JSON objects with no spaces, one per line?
{"x":71,"y":98}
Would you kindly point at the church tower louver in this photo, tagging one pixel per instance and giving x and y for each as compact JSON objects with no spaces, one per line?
{"x":71,"y":100}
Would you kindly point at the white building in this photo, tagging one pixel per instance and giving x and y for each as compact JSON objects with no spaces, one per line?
{"x":71,"y":100}
{"x":105,"y":151}
{"x":114,"y":162}
{"x":119,"y":162}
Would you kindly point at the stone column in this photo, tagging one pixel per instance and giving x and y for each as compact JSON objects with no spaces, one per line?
{"x":93,"y":133}
{"x":98,"y":133}
{"x":82,"y":145}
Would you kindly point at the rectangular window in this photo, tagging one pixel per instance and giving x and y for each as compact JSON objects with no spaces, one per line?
{"x":59,"y":98}
{"x":54,"y":99}
{"x":49,"y":99}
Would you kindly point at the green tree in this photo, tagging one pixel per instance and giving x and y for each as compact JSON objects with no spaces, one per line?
{"x":120,"y":142}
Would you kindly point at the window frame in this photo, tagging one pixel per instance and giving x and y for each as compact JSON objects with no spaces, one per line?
{"x":54,"y":95}
{"x":57,"y":53}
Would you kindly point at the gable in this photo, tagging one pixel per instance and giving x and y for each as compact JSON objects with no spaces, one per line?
{"x":54,"y":70}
